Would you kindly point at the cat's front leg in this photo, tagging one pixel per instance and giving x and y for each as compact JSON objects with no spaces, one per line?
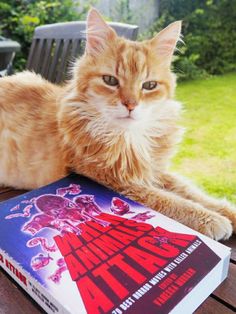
{"x":170,"y":204}
{"x":187,"y":190}
{"x":185,"y":211}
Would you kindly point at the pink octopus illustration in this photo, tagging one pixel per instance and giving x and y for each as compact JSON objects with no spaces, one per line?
{"x":62,"y":214}
{"x":143,"y":216}
{"x":72,"y":189}
{"x":26,"y":212}
{"x":56,"y":276}
{"x":119,"y":207}
{"x":161,"y":240}
{"x":43,"y":242}
{"x":40,"y":261}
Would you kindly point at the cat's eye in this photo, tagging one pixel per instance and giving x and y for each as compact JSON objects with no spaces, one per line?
{"x":149,"y":85}
{"x":110,"y":80}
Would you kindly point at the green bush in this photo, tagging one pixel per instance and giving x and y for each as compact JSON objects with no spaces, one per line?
{"x":209,"y":35}
{"x":18,"y":19}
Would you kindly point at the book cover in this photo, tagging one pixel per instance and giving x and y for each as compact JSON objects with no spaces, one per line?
{"x":78,"y":247}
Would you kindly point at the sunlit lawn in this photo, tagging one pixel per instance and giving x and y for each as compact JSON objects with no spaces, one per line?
{"x":208,"y":153}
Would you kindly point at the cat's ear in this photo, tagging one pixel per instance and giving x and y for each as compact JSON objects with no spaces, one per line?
{"x":165,"y":41}
{"x":98,"y":33}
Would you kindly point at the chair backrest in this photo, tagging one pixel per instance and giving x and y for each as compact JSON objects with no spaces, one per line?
{"x":55,"y":46}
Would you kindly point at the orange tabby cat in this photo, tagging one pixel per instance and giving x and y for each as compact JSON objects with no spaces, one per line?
{"x":115,"y":122}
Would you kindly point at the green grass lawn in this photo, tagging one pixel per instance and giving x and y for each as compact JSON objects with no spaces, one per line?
{"x":207,"y":154}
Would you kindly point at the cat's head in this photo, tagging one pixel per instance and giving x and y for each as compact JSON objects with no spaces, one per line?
{"x":122,"y":80}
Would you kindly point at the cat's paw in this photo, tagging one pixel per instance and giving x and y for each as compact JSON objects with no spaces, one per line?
{"x":226,"y":209}
{"x":215,"y":226}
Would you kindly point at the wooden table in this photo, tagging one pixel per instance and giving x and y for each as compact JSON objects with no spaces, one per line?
{"x":13,"y":299}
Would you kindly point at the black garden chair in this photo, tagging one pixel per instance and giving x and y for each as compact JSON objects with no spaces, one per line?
{"x":8,"y":49}
{"x":54,"y":46}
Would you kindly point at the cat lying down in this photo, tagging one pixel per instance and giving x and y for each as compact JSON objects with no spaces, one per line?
{"x":115,"y":121}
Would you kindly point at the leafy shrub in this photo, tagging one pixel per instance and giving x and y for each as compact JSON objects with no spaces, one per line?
{"x":18,"y":19}
{"x":209,"y":35}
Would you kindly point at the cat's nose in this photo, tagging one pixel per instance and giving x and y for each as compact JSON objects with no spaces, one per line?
{"x":130,"y":104}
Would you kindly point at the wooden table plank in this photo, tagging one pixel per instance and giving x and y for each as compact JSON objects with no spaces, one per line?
{"x":13,"y":299}
{"x":3,"y":190}
{"x":227,"y":290}
{"x":212,"y":306}
{"x":9,"y":194}
{"x":232,"y":243}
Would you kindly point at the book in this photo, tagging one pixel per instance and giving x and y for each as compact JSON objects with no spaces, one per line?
{"x":77,"y":247}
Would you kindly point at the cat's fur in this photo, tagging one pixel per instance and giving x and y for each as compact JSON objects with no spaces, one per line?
{"x":48,"y":130}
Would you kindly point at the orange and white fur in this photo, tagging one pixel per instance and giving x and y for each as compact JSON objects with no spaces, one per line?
{"x":115,"y":122}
